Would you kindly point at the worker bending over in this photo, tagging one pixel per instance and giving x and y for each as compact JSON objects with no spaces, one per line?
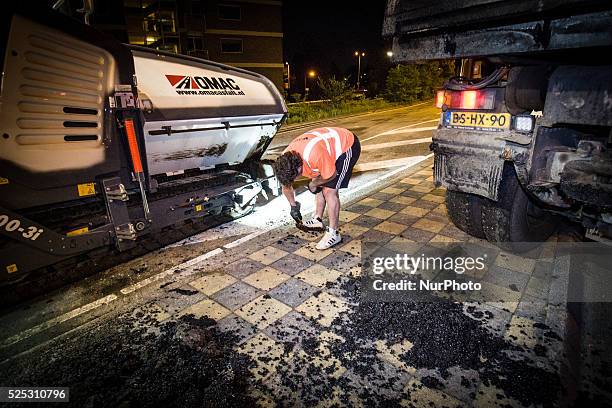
{"x":327,"y":157}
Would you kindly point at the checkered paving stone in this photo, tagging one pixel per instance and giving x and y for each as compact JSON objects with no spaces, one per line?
{"x":243,"y":268}
{"x":268,"y":255}
{"x":213,"y":282}
{"x":392,"y":190}
{"x":341,"y":261}
{"x":380,"y":213}
{"x":376,"y":236}
{"x":289,"y":243}
{"x":366,"y":221}
{"x":263,"y":310}
{"x":266,"y":278}
{"x":293,"y":292}
{"x":318,"y":275}
{"x":402,"y":200}
{"x":347,"y":216}
{"x":359,"y":208}
{"x":297,"y":314}
{"x":392,"y":206}
{"x":428,"y":205}
{"x":236,"y":295}
{"x":382,"y":196}
{"x":292,"y":264}
{"x":370,"y":202}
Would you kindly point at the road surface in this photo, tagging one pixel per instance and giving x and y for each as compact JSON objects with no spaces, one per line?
{"x":391,"y":141}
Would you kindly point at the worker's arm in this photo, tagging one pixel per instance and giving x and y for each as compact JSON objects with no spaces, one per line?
{"x":289,"y":194}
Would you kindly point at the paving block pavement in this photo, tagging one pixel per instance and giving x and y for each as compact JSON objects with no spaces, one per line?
{"x":299,"y":320}
{"x":294,"y":313}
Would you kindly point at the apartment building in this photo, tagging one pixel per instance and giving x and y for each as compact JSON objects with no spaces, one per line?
{"x":242,"y":33}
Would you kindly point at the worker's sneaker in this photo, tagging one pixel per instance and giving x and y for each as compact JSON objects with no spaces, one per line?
{"x":331,"y":238}
{"x":314,"y":222}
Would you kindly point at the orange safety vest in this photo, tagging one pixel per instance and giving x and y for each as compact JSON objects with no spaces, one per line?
{"x":320,"y":148}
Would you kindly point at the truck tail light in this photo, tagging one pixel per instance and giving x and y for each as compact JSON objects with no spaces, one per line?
{"x":472,"y":99}
{"x":440,"y":98}
{"x":468,"y":100}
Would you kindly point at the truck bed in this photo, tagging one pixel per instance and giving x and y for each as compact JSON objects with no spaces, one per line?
{"x":422,"y":30}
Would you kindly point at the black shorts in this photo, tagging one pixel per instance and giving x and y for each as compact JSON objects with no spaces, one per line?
{"x":344,"y":166}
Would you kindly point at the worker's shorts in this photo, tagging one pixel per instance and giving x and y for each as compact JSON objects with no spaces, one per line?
{"x":344,"y":166}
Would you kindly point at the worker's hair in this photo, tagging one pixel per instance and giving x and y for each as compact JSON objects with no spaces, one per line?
{"x":287,"y":167}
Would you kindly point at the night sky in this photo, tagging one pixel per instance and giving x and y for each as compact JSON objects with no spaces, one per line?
{"x":323,"y":35}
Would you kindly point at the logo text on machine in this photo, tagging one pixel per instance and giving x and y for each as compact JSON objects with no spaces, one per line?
{"x":202,"y":85}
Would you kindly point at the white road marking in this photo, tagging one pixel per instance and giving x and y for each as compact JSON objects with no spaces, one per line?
{"x":359,"y":115}
{"x":397,"y":130}
{"x":57,"y":320}
{"x":385,"y":164}
{"x":389,"y":174}
{"x":171,"y":271}
{"x":244,"y":239}
{"x":395,"y":144}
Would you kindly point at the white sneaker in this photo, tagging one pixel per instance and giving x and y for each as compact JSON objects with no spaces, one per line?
{"x":330,"y":239}
{"x":314,"y":222}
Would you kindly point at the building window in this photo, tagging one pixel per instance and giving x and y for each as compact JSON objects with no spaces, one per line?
{"x":231,"y":46}
{"x":229,"y":12}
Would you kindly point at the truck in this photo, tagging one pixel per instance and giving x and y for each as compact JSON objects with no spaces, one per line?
{"x":103,"y":144}
{"x":524,"y":135}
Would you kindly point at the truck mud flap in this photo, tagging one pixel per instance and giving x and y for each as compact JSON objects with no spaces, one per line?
{"x":468,"y":174}
{"x":469,"y":161}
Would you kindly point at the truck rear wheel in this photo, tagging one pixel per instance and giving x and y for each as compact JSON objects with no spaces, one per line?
{"x":464,"y":210}
{"x":515,"y":222}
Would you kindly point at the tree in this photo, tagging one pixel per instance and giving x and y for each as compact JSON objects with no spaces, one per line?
{"x":337,"y":91}
{"x":402,"y":84}
{"x":408,"y":83}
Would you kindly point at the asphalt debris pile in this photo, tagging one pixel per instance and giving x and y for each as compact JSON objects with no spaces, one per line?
{"x":448,"y":349}
{"x":137,"y":361}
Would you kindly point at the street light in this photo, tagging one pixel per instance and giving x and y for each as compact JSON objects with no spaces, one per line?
{"x":389,"y":54}
{"x":359,"y":54}
{"x":308,"y":74}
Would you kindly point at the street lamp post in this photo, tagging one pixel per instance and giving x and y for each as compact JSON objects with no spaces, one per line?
{"x":359,"y":54}
{"x":308,"y":74}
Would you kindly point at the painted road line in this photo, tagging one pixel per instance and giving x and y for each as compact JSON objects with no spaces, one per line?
{"x":390,"y":174}
{"x":358,"y":115}
{"x":399,"y":129}
{"x":59,"y":319}
{"x":395,"y":144}
{"x":385,"y":164}
{"x":171,"y":271}
{"x":403,"y":130}
{"x":244,"y":239}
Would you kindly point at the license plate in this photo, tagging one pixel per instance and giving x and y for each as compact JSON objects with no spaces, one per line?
{"x":477,"y":120}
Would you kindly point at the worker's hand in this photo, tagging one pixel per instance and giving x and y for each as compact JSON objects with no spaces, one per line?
{"x":313,"y":188}
{"x":295,"y":212}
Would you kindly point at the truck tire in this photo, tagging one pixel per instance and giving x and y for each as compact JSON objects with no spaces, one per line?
{"x":464,"y":210}
{"x":515,"y":222}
